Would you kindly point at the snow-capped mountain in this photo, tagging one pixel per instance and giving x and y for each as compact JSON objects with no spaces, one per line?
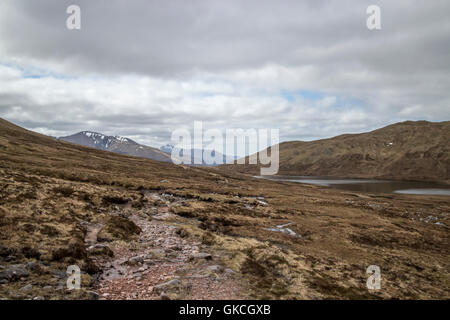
{"x":195,"y":152}
{"x":116,"y":144}
{"x":167,"y":148}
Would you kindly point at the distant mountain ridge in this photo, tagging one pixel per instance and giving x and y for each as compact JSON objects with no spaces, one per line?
{"x":116,"y":144}
{"x":194,"y":152}
{"x":130,"y":147}
{"x":411,"y":150}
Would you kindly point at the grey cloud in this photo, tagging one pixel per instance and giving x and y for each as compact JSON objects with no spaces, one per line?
{"x":224,"y":62}
{"x":173,"y":37}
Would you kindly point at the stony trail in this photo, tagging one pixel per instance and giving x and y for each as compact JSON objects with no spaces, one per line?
{"x":161,"y":264}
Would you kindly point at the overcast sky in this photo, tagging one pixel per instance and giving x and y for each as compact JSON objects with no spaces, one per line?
{"x":144,"y":68}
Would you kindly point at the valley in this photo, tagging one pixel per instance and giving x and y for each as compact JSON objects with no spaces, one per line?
{"x":144,"y":229}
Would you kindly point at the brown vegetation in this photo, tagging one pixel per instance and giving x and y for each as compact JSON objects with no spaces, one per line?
{"x":50,"y":190}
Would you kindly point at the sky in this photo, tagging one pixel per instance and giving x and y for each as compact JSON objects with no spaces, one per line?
{"x":141,"y":68}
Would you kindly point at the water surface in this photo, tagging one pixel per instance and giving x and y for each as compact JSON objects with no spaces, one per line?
{"x":370,"y":185}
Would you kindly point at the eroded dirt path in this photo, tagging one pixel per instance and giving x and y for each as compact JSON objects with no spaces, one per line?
{"x":162,"y":264}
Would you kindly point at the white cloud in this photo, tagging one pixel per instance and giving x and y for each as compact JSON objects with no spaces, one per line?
{"x":146,"y":68}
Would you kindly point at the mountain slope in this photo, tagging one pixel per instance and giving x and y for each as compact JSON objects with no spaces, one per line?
{"x":116,"y":144}
{"x":408,"y":150}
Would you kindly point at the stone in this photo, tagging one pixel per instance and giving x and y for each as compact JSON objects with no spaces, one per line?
{"x":172,"y":285}
{"x":14,"y":273}
{"x":176,"y":247}
{"x":149,"y":262}
{"x":58,"y":274}
{"x":133,"y":261}
{"x":215,"y":268}
{"x":161,"y":216}
{"x":39,"y":298}
{"x":229,"y":271}
{"x":26,"y":288}
{"x":36,"y":267}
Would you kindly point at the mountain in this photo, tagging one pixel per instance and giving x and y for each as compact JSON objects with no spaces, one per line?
{"x":116,"y":144}
{"x":167,"y":148}
{"x":411,"y":150}
{"x":226,"y":159}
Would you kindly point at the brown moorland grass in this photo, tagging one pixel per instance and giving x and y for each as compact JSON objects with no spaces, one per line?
{"x":50,"y":189}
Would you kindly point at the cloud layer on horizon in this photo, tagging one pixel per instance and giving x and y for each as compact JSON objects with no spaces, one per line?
{"x":143,"y":69}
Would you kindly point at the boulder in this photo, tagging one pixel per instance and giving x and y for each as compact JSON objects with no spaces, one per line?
{"x":173,"y":285}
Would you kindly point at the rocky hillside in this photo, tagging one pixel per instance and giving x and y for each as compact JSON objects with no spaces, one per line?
{"x":408,"y":150}
{"x":116,"y":144}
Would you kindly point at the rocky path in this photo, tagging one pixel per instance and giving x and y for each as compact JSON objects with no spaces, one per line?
{"x":161,"y":264}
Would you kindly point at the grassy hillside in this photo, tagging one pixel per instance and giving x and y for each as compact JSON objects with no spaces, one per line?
{"x":408,"y":150}
{"x":54,"y":194}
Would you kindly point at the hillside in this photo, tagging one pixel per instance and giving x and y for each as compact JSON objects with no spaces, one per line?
{"x":144,"y":229}
{"x":408,"y":150}
{"x":116,"y":144}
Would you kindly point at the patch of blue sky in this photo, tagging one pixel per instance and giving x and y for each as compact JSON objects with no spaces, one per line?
{"x":205,"y":94}
{"x":31,"y":72}
{"x":341,"y":101}
{"x":291,"y":96}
